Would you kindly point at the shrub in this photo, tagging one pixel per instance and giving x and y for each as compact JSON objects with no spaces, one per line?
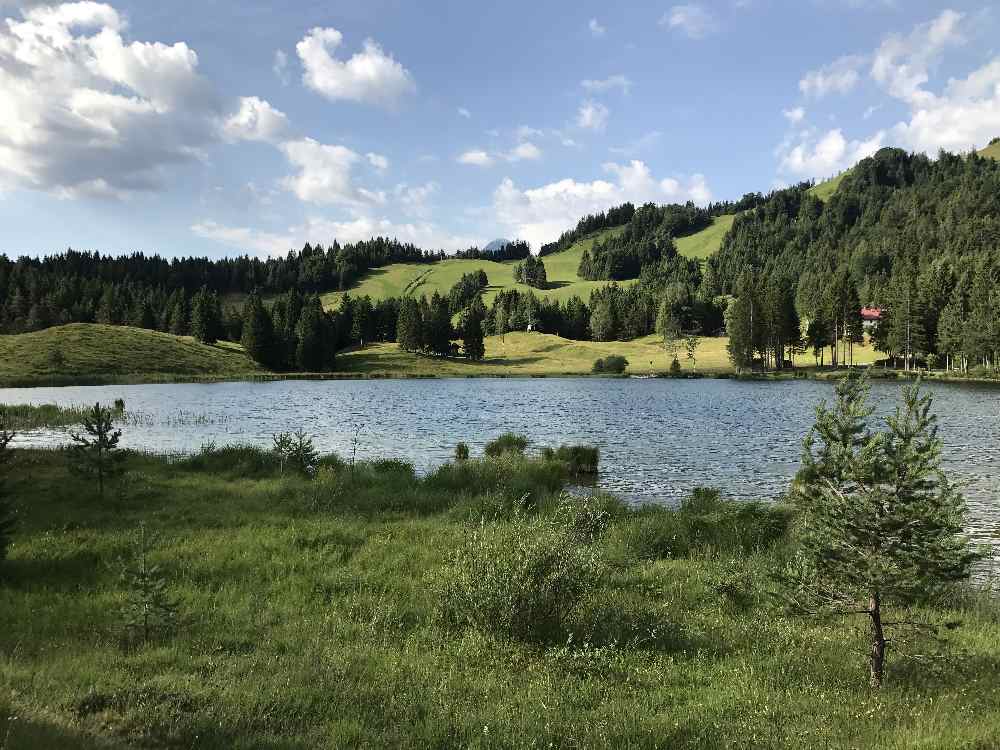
{"x":461,"y":452}
{"x":587,"y":518}
{"x":233,"y":460}
{"x":580,"y":460}
{"x":614,"y":364}
{"x":675,"y":367}
{"x":521,"y":581}
{"x":509,"y":442}
{"x":706,"y":523}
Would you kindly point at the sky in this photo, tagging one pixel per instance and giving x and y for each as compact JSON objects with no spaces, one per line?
{"x":216,"y":128}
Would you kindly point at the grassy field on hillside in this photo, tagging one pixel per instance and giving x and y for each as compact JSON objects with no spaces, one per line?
{"x":707,"y":241}
{"x":93,"y":352}
{"x":371,"y":608}
{"x":545,"y":354}
{"x":418,"y":279}
{"x":993,"y":152}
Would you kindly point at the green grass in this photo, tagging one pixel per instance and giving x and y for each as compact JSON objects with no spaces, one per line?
{"x":526,"y":354}
{"x":87,"y":352}
{"x":992,"y":152}
{"x":825,"y":190}
{"x":420,"y":279}
{"x":707,"y":241}
{"x":375,"y":609}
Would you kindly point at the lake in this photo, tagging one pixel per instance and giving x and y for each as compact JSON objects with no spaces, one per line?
{"x":658,"y":438}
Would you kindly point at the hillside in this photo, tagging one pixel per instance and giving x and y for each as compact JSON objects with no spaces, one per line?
{"x":707,"y":241}
{"x":85,"y":352}
{"x":526,"y":354}
{"x":422,"y":279}
{"x":992,"y":151}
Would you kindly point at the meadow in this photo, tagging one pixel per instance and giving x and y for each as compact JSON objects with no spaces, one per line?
{"x":95,"y":353}
{"x":477,"y":606}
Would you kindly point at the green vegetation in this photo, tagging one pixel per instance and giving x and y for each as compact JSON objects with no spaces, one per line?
{"x":992,"y":151}
{"x":82,"y":353}
{"x":614,"y":364}
{"x":705,"y":242}
{"x":478,"y":605}
{"x":825,"y":190}
{"x":20,"y":417}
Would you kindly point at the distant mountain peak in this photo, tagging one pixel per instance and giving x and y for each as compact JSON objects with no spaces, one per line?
{"x":496,"y":245}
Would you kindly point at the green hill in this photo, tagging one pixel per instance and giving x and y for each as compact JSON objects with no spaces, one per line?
{"x":992,"y":151}
{"x":423,"y":279}
{"x":707,"y":241}
{"x":88,"y":352}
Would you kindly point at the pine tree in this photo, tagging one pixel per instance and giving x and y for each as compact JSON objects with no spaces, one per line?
{"x":743,"y":323}
{"x":148,"y":609}
{"x":309,"y":354}
{"x":180,"y":316}
{"x":437,"y":326}
{"x":409,"y":327}
{"x":472,"y":331}
{"x":258,"y":331}
{"x":880,"y":524}
{"x":206,"y":316}
{"x":96,"y":454}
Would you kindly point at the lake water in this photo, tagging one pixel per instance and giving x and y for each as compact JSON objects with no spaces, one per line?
{"x":658,"y":438}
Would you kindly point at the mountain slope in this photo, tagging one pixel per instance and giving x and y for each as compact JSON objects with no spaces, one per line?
{"x":90,"y":351}
{"x":707,"y":241}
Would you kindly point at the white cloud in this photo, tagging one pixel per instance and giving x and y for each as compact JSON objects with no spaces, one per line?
{"x":415,"y":200}
{"x":280,"y":67}
{"x":476,"y":158}
{"x":256,"y":120}
{"x":901,"y":64}
{"x":526,"y":131}
{"x":827,"y":155}
{"x":377,"y":160}
{"x":693,"y":19}
{"x":794,"y":116}
{"x":607,"y":84}
{"x":840,"y":77}
{"x":524,"y":151}
{"x":592,"y":115}
{"x":464,"y":112}
{"x":539,"y":215}
{"x":324,"y":175}
{"x":323,"y":231}
{"x":596,"y":30}
{"x":370,"y":76}
{"x":87,"y":112}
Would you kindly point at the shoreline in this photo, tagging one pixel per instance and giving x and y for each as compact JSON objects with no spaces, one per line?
{"x":67,"y":381}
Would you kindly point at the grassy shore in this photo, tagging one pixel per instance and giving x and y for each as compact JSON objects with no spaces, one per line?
{"x":471,"y":608}
{"x":82,"y":353}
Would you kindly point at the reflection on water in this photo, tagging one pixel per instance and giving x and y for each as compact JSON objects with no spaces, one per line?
{"x":658,"y":438}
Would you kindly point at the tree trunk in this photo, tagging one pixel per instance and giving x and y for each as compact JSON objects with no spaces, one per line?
{"x":877,"y":659}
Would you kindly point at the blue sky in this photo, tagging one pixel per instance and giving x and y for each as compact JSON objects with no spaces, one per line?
{"x":214,"y":128}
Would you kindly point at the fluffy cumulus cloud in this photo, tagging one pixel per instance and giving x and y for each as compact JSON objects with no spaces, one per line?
{"x":694,"y":20}
{"x":592,"y":115}
{"x":839,"y":77}
{"x":256,"y":120}
{"x":476,"y":158}
{"x":320,"y":230}
{"x":523,"y":151}
{"x":596,"y":30}
{"x":795,"y":115}
{"x":371,"y":75}
{"x":324,"y":174}
{"x":962,"y":114}
{"x":541,"y":214}
{"x":88,"y":112}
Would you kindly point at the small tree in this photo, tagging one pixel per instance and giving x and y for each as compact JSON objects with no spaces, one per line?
{"x":96,"y":453}
{"x":880,"y":524}
{"x":7,"y":521}
{"x":148,"y":609}
{"x":296,"y":450}
{"x":691,"y":344}
{"x":472,"y":331}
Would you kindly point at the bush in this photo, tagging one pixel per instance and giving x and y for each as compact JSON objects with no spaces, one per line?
{"x":675,"y":367}
{"x":705,"y":523}
{"x":587,"y":518}
{"x":233,"y":460}
{"x":612,"y":365}
{"x":461,"y":452}
{"x":580,"y":460}
{"x":509,"y":442}
{"x":521,"y":581}
{"x":296,"y":451}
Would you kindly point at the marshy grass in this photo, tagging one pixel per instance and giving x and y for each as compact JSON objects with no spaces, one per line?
{"x":24,"y":417}
{"x":475,"y":606}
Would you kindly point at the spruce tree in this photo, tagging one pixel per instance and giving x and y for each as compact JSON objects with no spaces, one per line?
{"x":309,"y":354}
{"x":96,"y":453}
{"x":880,"y":524}
{"x":409,"y":327}
{"x":258,"y":331}
{"x":148,"y":609}
{"x":472,"y":331}
{"x":206,"y":316}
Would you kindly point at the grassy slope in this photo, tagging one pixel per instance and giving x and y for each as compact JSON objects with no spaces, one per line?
{"x":707,"y":241}
{"x":307,"y":619}
{"x":993,"y":152}
{"x":101,"y":351}
{"x":544,"y":354}
{"x":419,"y":279}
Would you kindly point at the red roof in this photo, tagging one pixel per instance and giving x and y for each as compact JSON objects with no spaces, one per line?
{"x":871,"y":313}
